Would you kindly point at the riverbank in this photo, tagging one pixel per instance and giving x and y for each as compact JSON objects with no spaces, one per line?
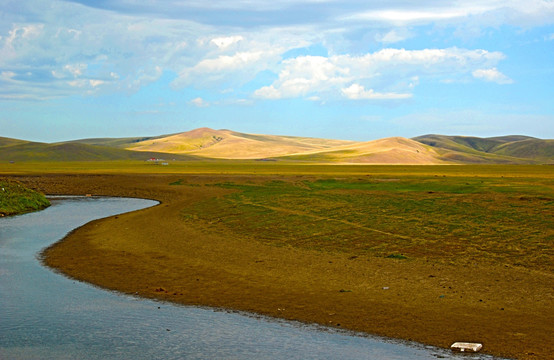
{"x":17,"y":199}
{"x":164,"y":252}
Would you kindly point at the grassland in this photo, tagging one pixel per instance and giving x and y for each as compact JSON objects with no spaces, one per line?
{"x":464,"y":252}
{"x":459,"y":220}
{"x":16,"y":198}
{"x":253,"y":167}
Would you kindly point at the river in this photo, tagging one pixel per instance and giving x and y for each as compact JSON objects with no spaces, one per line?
{"x":44,"y":315}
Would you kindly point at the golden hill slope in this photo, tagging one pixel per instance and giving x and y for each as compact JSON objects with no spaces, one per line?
{"x":394,"y":150}
{"x":226,"y":144}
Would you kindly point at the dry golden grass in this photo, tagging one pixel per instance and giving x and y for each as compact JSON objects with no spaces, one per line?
{"x":391,"y":151}
{"x":226,"y":144}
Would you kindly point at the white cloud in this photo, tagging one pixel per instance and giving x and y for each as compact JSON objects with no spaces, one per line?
{"x":358,"y":92}
{"x":75,"y":69}
{"x":225,"y":42}
{"x":23,"y":32}
{"x":212,"y":70}
{"x":120,"y":53}
{"x":448,"y":58}
{"x":7,"y":75}
{"x":77,"y":83}
{"x":421,"y":15}
{"x":229,"y":63}
{"x":268,"y":92}
{"x":413,"y":82}
{"x":236,"y":68}
{"x":304,"y":75}
{"x":485,"y":13}
{"x":242,"y":102}
{"x":199,"y":102}
{"x":85,"y":83}
{"x":386,"y":74}
{"x":19,"y":39}
{"x":94,"y":82}
{"x":492,"y":75}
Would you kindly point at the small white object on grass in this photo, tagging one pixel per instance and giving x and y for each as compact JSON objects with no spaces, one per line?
{"x":466,"y":346}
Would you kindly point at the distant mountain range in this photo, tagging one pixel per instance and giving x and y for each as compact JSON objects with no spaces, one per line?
{"x":205,"y":143}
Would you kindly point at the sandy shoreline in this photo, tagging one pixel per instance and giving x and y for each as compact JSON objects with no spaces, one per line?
{"x":154,"y":253}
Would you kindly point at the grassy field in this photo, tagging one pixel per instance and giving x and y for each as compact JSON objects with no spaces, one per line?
{"x":496,"y":213}
{"x":455,"y":219}
{"x":493,"y":213}
{"x":272,"y":168}
{"x":17,"y":199}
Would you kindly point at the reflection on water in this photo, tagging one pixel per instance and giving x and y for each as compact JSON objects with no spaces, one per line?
{"x":47,"y":316}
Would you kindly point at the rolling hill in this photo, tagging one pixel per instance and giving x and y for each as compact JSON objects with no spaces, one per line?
{"x":4,"y":142}
{"x":227,"y":144}
{"x":395,"y":150}
{"x":502,"y":149}
{"x":19,"y":150}
{"x":205,"y":143}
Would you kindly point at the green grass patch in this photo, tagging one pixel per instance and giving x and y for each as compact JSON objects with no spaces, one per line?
{"x":182,"y":182}
{"x":17,"y":199}
{"x":456,"y":186}
{"x":461,"y":219}
{"x":178,"y":182}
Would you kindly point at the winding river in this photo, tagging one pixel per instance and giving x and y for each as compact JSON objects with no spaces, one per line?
{"x":44,"y":315}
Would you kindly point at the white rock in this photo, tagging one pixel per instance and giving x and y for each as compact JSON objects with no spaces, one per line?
{"x":466,"y":346}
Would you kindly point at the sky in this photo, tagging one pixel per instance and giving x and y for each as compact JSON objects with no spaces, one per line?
{"x":341,"y":69}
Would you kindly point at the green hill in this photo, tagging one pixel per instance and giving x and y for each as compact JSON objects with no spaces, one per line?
{"x":120,"y":143}
{"x":516,"y":149}
{"x":10,"y":142}
{"x":75,"y":151}
{"x":528,"y":148}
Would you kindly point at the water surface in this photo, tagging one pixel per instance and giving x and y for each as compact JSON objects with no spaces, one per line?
{"x":44,"y":315}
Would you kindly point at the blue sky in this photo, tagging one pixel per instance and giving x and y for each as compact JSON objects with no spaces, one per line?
{"x":343,"y":69}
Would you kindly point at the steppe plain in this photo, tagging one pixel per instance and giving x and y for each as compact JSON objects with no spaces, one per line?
{"x":434,"y":254}
{"x":431,"y":249}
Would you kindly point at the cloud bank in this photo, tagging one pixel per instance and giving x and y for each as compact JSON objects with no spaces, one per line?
{"x":88,"y":48}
